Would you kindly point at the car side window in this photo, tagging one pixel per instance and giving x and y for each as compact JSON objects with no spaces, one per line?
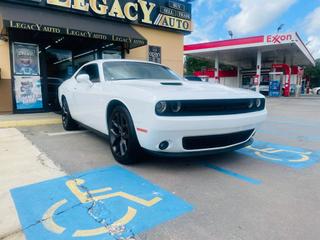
{"x":93,"y":71}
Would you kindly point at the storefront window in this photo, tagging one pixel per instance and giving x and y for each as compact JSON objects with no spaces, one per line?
{"x":59,"y":63}
{"x":110,"y":54}
{"x":83,"y":58}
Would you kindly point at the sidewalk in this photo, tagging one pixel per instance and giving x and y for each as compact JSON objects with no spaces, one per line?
{"x":21,"y":164}
{"x":28,"y":120}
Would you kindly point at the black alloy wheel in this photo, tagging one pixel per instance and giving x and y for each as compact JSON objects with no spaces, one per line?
{"x":67,"y":121}
{"x":122,"y":136}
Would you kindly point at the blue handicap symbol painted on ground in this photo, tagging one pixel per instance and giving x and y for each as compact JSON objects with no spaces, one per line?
{"x":294,"y":157}
{"x":110,"y":203}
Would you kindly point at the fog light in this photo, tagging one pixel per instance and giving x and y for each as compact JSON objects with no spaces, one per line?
{"x":163,"y":145}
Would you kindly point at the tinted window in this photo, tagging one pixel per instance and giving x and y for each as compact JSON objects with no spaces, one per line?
{"x":191,"y":78}
{"x":136,"y":70}
{"x":93,"y":71}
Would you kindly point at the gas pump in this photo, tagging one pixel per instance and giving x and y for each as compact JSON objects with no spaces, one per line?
{"x":300,"y":84}
{"x":286,"y":77}
{"x":275,"y":87}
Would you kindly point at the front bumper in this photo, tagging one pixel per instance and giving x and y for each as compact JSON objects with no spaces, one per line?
{"x":202,"y":153}
{"x":174,"y":129}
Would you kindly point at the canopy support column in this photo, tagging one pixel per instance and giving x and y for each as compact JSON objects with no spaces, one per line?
{"x":258,"y":75}
{"x":216,"y":70}
{"x":239,"y":77}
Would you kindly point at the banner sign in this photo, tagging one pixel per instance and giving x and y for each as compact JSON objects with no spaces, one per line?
{"x":25,"y":59}
{"x":175,"y":15}
{"x":155,"y":54}
{"x":73,"y":32}
{"x":28,"y":92}
{"x":27,"y":82}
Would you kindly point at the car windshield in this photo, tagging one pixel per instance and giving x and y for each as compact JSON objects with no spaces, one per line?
{"x":136,"y":70}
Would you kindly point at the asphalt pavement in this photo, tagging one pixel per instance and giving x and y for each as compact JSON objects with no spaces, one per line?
{"x":267,"y":191}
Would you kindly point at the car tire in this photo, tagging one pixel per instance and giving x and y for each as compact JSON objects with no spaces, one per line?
{"x":68,"y":122}
{"x":123,"y":139}
{"x":318,"y":92}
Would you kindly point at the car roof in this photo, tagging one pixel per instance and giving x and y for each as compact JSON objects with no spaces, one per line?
{"x":120,"y":60}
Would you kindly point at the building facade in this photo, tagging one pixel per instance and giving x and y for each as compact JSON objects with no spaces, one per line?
{"x":43,"y":42}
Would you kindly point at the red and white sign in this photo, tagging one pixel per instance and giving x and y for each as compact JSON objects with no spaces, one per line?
{"x":279,"y":38}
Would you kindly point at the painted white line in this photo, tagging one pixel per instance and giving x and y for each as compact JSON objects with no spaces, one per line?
{"x":66,"y":133}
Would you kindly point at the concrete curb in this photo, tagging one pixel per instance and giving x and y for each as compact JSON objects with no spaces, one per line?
{"x":30,"y":122}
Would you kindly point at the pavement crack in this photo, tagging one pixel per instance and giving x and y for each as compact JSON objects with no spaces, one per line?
{"x":7,"y":235}
{"x":38,"y":222}
{"x":97,"y":210}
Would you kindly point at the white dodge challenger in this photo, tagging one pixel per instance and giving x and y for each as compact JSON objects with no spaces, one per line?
{"x":145,"y":106}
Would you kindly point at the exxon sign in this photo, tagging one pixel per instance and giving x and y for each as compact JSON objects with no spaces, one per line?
{"x":279,"y":38}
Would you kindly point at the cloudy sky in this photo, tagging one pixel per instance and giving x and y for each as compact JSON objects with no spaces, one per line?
{"x":213,"y":19}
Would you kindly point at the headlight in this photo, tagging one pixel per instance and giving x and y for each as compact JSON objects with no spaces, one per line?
{"x":258,"y":102}
{"x":251,"y":103}
{"x":161,"y":107}
{"x":175,"y":106}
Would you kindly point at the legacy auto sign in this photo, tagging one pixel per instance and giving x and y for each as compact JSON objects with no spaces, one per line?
{"x":160,"y":13}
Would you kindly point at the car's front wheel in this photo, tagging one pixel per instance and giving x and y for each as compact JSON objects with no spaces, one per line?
{"x":122,"y":136}
{"x":318,"y":92}
{"x":67,"y":121}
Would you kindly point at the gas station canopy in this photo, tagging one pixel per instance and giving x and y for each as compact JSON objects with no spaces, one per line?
{"x":280,"y":48}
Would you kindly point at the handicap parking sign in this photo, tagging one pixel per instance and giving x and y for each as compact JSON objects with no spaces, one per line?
{"x":110,"y":203}
{"x":294,"y":157}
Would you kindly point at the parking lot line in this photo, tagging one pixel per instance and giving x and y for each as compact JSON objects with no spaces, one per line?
{"x":66,"y":133}
{"x":234,"y":174}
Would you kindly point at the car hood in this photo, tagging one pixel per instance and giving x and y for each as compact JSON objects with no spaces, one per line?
{"x":183,"y":90}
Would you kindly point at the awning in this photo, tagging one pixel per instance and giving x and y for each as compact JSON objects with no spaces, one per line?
{"x":50,"y":21}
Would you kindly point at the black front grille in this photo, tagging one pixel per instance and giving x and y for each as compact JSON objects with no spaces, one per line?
{"x":216,"y":141}
{"x":214,"y":107}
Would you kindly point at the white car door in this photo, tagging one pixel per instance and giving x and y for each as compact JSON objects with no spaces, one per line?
{"x":90,"y":100}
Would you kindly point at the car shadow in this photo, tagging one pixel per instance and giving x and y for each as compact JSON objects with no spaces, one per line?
{"x":149,"y":161}
{"x":228,"y":159}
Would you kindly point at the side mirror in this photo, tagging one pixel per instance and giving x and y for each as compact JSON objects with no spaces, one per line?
{"x":84,"y":78}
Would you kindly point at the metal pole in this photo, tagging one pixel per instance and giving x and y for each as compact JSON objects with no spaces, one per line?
{"x":216,"y":71}
{"x":258,"y":75}
{"x":239,"y":77}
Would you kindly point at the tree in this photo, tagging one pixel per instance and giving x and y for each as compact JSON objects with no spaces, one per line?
{"x":195,"y":64}
{"x":314,"y":74}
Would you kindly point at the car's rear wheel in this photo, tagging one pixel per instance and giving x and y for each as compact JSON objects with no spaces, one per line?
{"x":318,"y":92}
{"x":123,"y":139}
{"x":67,"y":121}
